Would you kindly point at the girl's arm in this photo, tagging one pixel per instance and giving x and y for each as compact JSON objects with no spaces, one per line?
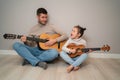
{"x":64,"y":48}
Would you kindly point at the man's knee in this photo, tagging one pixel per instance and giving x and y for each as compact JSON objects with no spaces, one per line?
{"x":16,"y":45}
{"x":54,"y":53}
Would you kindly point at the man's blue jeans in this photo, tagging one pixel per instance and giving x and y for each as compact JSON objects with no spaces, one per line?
{"x":34,"y":54}
{"x":73,"y":61}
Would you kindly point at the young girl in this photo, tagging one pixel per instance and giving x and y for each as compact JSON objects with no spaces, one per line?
{"x":75,"y":37}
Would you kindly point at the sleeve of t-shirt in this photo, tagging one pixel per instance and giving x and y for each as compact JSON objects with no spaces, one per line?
{"x":59,"y":31}
{"x":64,"y":48}
{"x":84,"y":43}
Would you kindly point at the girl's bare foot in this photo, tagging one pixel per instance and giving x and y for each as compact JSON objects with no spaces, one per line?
{"x":76,"y":68}
{"x":69,"y":68}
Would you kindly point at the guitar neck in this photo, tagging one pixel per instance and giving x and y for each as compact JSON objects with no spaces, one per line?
{"x":33,"y":39}
{"x":93,"y":49}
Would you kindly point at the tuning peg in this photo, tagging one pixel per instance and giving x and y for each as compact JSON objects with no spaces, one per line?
{"x":108,"y":47}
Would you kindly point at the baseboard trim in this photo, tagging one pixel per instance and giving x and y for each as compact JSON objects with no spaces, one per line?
{"x":8,"y":52}
{"x":105,"y":55}
{"x":91,"y":55}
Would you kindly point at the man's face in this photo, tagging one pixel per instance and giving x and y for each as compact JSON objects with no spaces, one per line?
{"x":42,"y":18}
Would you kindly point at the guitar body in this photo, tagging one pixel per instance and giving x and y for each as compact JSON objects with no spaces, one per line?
{"x":52,"y":36}
{"x":80,"y":49}
{"x":77,"y":47}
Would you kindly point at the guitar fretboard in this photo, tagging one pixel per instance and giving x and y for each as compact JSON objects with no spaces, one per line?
{"x":87,"y":49}
{"x":33,"y":39}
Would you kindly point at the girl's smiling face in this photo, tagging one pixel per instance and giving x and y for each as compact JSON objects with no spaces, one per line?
{"x":75,"y":34}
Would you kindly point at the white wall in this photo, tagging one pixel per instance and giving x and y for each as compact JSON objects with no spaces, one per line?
{"x":100,"y":17}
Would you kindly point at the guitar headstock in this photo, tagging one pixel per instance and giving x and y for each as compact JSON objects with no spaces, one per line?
{"x":9,"y":36}
{"x":105,"y":48}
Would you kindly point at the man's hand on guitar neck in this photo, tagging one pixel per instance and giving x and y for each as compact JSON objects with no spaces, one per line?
{"x":51,"y":42}
{"x":23,"y":38}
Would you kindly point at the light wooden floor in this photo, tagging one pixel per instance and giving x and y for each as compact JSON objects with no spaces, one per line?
{"x":92,"y":69}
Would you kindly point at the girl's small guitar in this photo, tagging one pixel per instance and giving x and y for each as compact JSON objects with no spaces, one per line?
{"x":80,"y":49}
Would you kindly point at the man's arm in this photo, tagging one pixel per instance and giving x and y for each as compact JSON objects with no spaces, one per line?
{"x":63,"y":34}
{"x":59,"y":39}
{"x":31,"y":34}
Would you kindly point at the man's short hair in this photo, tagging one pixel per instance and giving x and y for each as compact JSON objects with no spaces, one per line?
{"x":41,"y":10}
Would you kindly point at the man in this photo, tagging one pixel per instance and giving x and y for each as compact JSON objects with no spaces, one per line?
{"x":30,"y":52}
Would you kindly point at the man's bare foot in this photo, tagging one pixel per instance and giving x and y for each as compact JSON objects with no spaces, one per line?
{"x":76,"y":68}
{"x":69,"y":68}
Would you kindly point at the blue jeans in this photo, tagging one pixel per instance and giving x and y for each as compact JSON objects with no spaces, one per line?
{"x":73,"y":61}
{"x":34,"y":54}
